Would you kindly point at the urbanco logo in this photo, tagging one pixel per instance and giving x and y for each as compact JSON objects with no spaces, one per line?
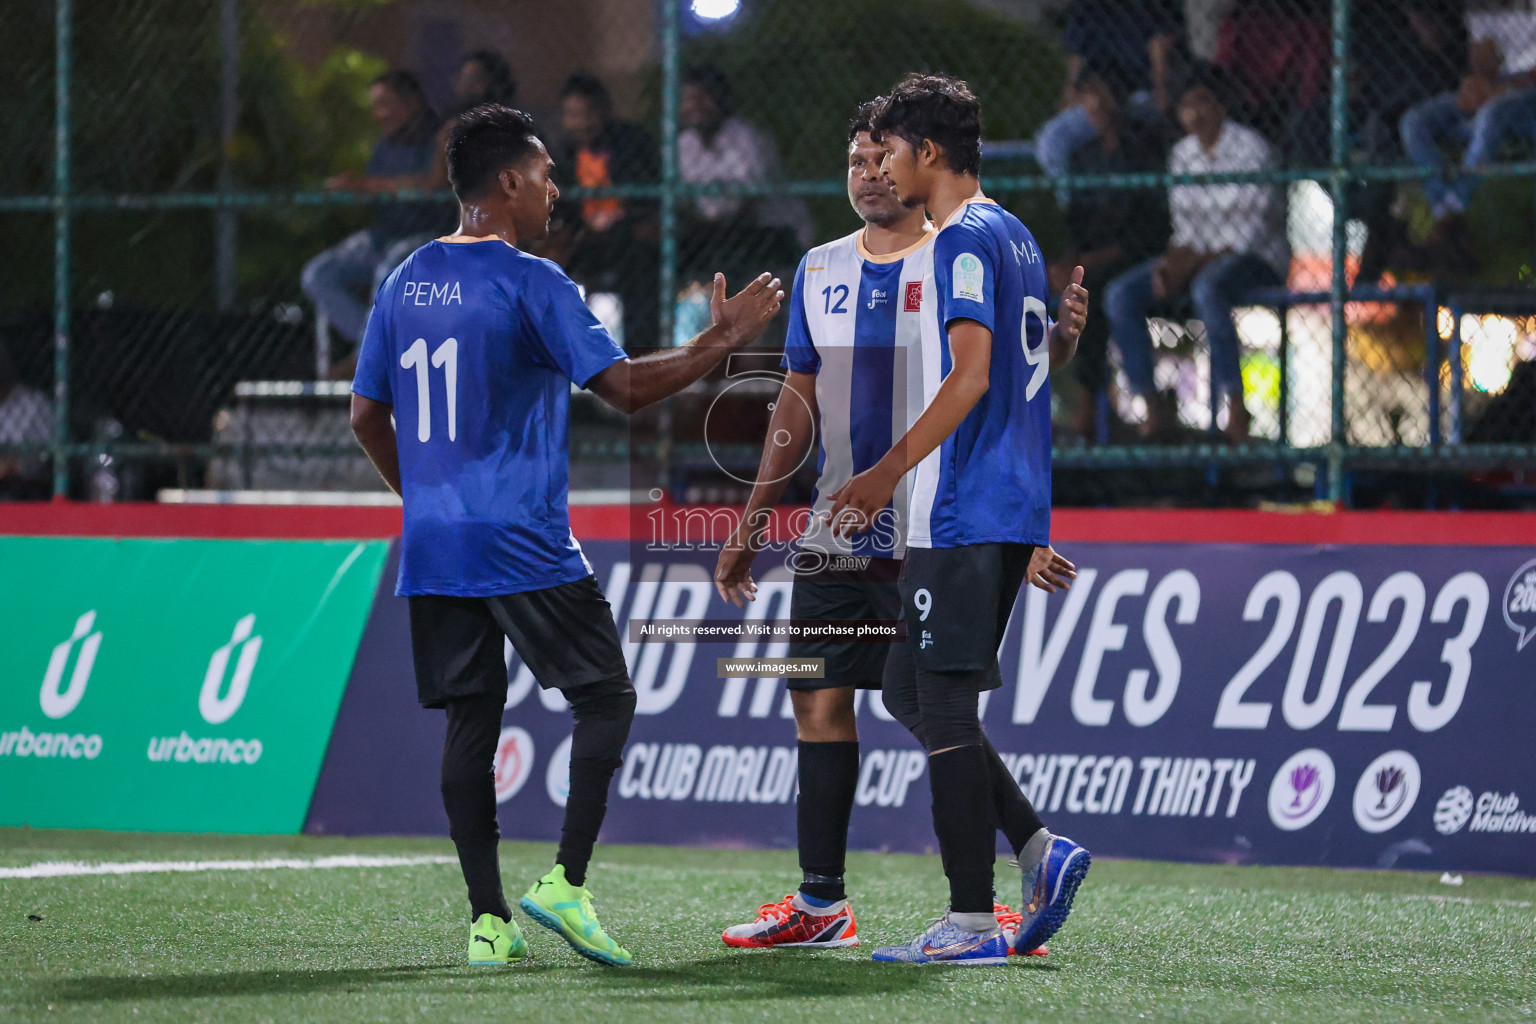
{"x":1387,"y":791}
{"x":214,"y":708}
{"x":57,"y":704}
{"x":1301,"y":789}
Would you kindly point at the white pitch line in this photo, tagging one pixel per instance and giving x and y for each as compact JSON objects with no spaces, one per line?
{"x":75,"y":869}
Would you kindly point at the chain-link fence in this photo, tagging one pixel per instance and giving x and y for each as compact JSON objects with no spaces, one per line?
{"x":1308,"y":227}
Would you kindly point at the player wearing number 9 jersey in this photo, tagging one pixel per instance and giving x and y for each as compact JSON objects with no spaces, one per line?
{"x":979,"y":519}
{"x":990,"y":481}
{"x":473,"y":346}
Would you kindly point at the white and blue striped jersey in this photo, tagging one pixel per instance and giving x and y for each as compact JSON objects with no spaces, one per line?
{"x":990,"y":481}
{"x":855,"y":321}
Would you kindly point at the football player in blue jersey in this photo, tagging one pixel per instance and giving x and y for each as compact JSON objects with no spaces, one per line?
{"x":461,"y":400}
{"x":853,"y":387}
{"x":978,"y":521}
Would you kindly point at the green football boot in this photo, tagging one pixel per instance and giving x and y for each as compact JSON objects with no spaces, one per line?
{"x":494,"y":942}
{"x":567,"y":909}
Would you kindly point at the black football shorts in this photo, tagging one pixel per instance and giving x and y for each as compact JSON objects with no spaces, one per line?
{"x":565,"y":635}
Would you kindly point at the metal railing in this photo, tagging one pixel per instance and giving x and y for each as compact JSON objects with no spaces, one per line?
{"x":1336,"y":457}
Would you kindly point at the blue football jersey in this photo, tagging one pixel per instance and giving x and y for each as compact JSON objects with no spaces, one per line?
{"x":855,"y":321}
{"x":990,"y":481}
{"x":476,"y":346}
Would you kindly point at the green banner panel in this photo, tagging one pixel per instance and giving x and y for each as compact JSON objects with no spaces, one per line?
{"x":173,"y":685}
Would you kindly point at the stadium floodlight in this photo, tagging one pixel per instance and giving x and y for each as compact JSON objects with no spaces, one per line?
{"x":714,"y":10}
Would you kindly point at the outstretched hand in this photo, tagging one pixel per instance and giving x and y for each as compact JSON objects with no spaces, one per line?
{"x":1049,"y":571}
{"x":744,"y":315}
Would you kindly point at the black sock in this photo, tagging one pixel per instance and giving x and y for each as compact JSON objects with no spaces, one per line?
{"x":961,"y":783}
{"x":829,"y":774}
{"x":603,"y":713}
{"x":1012,"y":813}
{"x":469,"y":797}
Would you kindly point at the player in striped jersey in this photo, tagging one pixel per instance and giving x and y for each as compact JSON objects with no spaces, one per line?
{"x":854,"y":362}
{"x":980,"y":518}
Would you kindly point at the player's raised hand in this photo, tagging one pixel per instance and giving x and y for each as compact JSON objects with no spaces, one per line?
{"x":1071,"y":318}
{"x":1049,"y":571}
{"x":744,"y":315}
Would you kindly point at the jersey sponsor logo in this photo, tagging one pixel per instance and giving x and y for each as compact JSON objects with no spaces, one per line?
{"x":969,"y":278}
{"x":1301,"y":789}
{"x":1520,"y":604}
{"x":513,"y":762}
{"x":1387,"y":790}
{"x":57,"y":703}
{"x":914,"y":303}
{"x":877,"y":297}
{"x":428,"y":293}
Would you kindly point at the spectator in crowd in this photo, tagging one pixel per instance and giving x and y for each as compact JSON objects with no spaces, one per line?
{"x":613,"y":244}
{"x":1226,"y":239}
{"x":1275,"y":54}
{"x":484,"y":77}
{"x":716,"y":146}
{"x":26,"y":418}
{"x":1404,"y":52}
{"x":342,"y":280}
{"x":1493,"y":105}
{"x":1109,"y":231}
{"x":1136,"y":46}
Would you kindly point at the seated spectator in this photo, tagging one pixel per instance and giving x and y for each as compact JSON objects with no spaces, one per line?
{"x":1136,"y":46}
{"x":1404,"y":52}
{"x":484,"y":77}
{"x":613,"y":241}
{"x":1226,"y":239}
{"x":1495,"y":104}
{"x":715,"y":146}
{"x":1108,"y":230}
{"x":342,"y":280}
{"x":26,"y":418}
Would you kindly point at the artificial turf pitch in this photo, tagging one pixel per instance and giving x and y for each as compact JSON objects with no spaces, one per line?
{"x":1147,"y":942}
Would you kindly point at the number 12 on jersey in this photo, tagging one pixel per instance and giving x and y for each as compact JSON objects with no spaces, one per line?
{"x":447,"y":358}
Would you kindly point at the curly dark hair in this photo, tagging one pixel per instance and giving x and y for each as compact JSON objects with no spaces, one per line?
{"x":864,"y":118}
{"x":484,"y":140}
{"x":939,"y":108}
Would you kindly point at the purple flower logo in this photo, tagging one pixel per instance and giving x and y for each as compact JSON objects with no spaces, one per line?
{"x":1303,"y":778}
{"x":1301,"y":789}
{"x":1388,"y":780}
{"x":1386,"y":791}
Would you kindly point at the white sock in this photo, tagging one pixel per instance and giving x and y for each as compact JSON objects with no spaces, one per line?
{"x":805,"y":908}
{"x":978,"y":923}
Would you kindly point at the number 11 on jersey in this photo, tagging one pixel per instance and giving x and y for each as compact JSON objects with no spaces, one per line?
{"x":447,"y":359}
